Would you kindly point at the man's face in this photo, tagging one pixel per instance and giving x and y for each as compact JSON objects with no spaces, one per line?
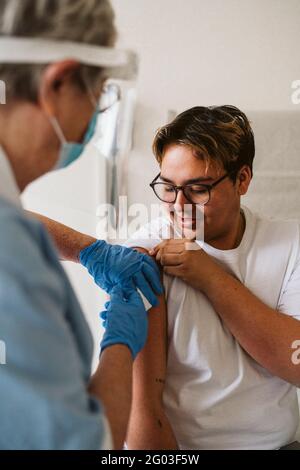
{"x":180,"y":166}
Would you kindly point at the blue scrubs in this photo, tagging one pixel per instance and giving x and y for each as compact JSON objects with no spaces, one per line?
{"x":44,"y":403}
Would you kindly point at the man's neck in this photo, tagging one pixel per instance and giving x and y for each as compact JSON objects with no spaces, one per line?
{"x":233,"y":238}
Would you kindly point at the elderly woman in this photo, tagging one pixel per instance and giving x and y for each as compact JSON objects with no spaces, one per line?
{"x":48,"y":398}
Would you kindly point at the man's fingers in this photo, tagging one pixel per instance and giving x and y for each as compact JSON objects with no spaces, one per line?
{"x":178,"y":248}
{"x":170,"y":249}
{"x":163,"y":244}
{"x":172,"y":259}
{"x":172,"y":245}
{"x":173,"y":270}
{"x":155,"y":250}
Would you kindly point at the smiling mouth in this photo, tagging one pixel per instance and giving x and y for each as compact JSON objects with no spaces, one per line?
{"x":184,"y":220}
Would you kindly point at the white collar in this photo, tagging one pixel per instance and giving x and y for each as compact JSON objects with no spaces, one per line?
{"x":8,"y":185}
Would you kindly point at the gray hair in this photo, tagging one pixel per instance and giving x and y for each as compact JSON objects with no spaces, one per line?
{"x":86,"y":21}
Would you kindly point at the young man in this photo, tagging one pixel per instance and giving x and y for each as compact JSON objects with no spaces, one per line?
{"x":233,"y":305}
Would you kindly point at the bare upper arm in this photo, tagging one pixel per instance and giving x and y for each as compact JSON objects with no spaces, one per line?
{"x":149,"y":427}
{"x":150,"y":366}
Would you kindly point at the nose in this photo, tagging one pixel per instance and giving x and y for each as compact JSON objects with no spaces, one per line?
{"x":180,"y":202}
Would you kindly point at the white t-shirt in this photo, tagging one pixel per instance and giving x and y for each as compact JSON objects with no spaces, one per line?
{"x":216,"y":396}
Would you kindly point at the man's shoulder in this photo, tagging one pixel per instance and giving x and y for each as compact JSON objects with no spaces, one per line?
{"x":272,"y":228}
{"x":273,"y":242}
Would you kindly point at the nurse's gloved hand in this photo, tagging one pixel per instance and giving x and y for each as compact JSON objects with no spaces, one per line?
{"x":125,"y":320}
{"x":112,"y":265}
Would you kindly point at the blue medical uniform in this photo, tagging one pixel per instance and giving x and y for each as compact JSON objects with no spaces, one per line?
{"x":44,"y":403}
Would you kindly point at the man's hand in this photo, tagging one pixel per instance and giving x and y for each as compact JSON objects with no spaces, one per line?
{"x":185,"y":259}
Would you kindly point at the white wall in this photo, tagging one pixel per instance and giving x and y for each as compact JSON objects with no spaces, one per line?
{"x":213,"y":51}
{"x":205,"y":52}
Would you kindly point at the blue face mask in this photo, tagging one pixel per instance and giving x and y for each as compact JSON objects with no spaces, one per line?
{"x":71,"y":151}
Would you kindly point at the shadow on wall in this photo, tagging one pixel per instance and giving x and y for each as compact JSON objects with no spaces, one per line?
{"x":275,"y":189}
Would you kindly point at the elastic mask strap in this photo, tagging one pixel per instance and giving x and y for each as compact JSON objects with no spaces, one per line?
{"x":57,"y":129}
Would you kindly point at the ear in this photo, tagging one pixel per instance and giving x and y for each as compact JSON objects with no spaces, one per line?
{"x":52,"y":81}
{"x":243,"y":180}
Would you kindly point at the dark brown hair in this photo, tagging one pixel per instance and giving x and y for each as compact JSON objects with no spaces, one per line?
{"x":219,"y":134}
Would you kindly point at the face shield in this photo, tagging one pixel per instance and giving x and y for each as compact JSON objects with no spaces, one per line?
{"x":114,"y":126}
{"x":121,"y":64}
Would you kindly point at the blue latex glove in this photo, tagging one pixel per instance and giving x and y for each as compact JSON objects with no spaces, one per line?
{"x":112,"y":265}
{"x":126,"y":320}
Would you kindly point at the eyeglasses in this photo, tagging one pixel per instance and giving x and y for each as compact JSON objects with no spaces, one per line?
{"x":194,"y":193}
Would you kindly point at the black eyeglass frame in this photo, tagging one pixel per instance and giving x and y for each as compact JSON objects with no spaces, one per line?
{"x":208,"y":187}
